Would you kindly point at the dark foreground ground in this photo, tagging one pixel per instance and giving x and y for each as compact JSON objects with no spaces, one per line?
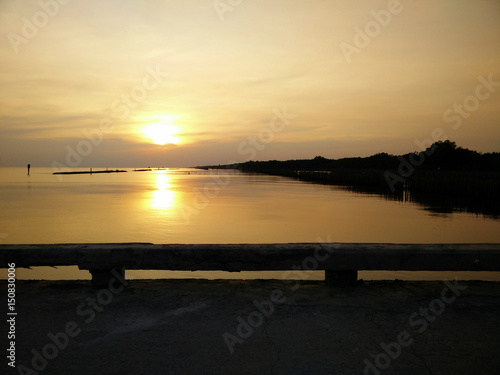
{"x":178,"y":327}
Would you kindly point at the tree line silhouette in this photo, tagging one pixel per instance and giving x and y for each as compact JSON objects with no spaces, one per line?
{"x":440,"y":156}
{"x":444,"y":177}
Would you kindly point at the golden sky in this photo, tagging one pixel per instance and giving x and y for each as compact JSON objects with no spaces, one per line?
{"x":97,"y":83}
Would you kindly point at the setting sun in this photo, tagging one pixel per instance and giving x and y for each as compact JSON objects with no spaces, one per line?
{"x":161,"y":134}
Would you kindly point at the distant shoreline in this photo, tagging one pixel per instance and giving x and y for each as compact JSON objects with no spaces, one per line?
{"x":444,"y":177}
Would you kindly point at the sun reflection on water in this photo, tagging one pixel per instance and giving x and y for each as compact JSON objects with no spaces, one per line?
{"x":164,"y":196}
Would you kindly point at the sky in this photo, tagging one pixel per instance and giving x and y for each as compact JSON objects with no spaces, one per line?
{"x":131,"y":83}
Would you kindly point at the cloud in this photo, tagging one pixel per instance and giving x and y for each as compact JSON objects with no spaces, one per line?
{"x":225,"y":78}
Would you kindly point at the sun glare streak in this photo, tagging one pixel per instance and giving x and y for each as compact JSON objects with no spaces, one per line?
{"x":163,"y":197}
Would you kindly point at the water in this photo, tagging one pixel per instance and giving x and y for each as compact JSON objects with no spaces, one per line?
{"x":197,"y":206}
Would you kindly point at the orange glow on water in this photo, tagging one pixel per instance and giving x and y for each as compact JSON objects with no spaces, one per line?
{"x":164,"y":196}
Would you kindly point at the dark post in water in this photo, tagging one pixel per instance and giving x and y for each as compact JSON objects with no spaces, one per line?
{"x":29,"y":166}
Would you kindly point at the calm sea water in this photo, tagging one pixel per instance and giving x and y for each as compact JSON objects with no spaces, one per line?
{"x":197,"y":206}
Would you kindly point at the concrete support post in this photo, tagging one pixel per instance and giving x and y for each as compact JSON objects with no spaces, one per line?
{"x":341,"y":278}
{"x":102,"y":277}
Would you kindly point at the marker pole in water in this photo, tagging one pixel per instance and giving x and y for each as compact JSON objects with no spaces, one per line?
{"x":29,"y":166}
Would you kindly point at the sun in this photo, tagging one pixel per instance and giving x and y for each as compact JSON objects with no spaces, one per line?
{"x":161,"y":134}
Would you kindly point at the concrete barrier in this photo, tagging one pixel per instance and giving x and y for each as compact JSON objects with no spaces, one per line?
{"x":340,"y":261}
